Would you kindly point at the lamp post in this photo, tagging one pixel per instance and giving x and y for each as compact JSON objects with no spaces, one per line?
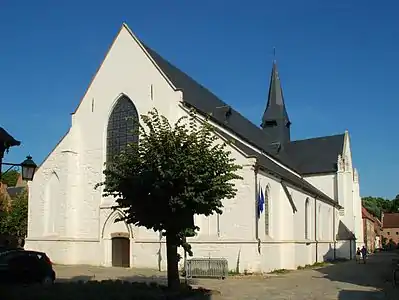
{"x":28,"y":166}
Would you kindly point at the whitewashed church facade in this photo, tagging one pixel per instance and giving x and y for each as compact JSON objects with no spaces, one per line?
{"x":311,"y":210}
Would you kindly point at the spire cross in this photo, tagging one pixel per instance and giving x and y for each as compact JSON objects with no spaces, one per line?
{"x":274,"y":53}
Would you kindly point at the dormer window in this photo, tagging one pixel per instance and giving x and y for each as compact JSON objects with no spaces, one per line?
{"x":270,"y":123}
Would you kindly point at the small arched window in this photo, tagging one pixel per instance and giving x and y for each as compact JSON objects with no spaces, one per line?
{"x":122,"y":127}
{"x":307,"y":221}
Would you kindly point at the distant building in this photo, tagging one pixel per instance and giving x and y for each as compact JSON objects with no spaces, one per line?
{"x":390,"y":228}
{"x":378,"y":230}
{"x":371,"y":230}
{"x":19,"y":187}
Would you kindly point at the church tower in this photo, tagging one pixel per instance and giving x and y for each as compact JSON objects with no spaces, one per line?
{"x":275,"y":121}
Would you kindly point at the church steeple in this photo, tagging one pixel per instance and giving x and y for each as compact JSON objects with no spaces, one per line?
{"x":275,"y":119}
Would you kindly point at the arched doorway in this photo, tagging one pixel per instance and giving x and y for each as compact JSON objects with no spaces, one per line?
{"x":117,"y":240}
{"x":120,"y":250}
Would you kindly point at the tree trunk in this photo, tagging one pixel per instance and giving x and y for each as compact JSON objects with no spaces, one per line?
{"x":172,"y":260}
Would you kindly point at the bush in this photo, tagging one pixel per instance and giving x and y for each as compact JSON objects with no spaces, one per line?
{"x":95,"y":290}
{"x":14,"y":221}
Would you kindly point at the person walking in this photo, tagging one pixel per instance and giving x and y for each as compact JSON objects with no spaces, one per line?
{"x":358,"y":255}
{"x":364,"y":254}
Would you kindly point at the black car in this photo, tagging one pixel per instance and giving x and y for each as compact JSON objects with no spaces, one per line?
{"x":7,"y":248}
{"x":24,"y":266}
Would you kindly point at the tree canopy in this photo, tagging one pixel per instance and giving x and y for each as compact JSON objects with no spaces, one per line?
{"x":173,"y":173}
{"x":14,"y":221}
{"x":10,"y":178}
{"x":377,"y":205}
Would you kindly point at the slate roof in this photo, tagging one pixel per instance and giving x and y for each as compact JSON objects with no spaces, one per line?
{"x":316,"y":155}
{"x":197,"y":96}
{"x":275,"y":101}
{"x":310,"y":156}
{"x":205,"y":101}
{"x":275,"y":120}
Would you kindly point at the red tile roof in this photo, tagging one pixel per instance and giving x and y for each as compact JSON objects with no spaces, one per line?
{"x":390,"y":220}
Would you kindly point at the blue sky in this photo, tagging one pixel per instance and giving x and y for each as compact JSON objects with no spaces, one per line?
{"x":338,"y":65}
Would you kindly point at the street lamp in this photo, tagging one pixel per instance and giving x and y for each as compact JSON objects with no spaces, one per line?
{"x":28,"y":167}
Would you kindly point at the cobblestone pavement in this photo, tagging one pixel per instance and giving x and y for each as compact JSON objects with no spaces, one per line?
{"x":342,"y":281}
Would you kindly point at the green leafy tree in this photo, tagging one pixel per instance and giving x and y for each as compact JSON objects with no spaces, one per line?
{"x":3,"y":211}
{"x":10,"y":178}
{"x":3,"y":202}
{"x":395,"y":204}
{"x":173,"y":173}
{"x":377,"y":205}
{"x":15,"y":221}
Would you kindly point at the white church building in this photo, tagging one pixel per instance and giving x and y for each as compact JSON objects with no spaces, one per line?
{"x":311,"y":210}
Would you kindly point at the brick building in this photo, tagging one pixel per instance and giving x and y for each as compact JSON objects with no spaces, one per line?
{"x":390,"y":228}
{"x":371,"y":230}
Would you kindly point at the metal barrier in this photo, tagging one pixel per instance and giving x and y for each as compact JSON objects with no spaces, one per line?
{"x":207,"y":267}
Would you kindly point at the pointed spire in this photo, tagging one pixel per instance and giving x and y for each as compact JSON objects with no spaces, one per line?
{"x":275,"y":99}
{"x":275,"y":118}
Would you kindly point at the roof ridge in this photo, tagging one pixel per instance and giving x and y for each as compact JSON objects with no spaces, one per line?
{"x":318,"y":137}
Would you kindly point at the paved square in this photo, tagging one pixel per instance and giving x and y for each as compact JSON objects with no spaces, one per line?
{"x":342,"y":281}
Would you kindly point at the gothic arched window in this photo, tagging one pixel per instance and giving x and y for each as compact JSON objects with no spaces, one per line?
{"x":122,"y":127}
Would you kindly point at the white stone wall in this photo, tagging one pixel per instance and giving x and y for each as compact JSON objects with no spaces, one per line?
{"x":343,"y":186}
{"x":287,"y":229}
{"x":327,"y":183}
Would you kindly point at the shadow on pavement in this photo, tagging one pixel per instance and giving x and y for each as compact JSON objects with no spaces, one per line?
{"x":360,"y":295}
{"x":375,"y":274}
{"x":87,"y":288}
{"x":159,"y":280}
